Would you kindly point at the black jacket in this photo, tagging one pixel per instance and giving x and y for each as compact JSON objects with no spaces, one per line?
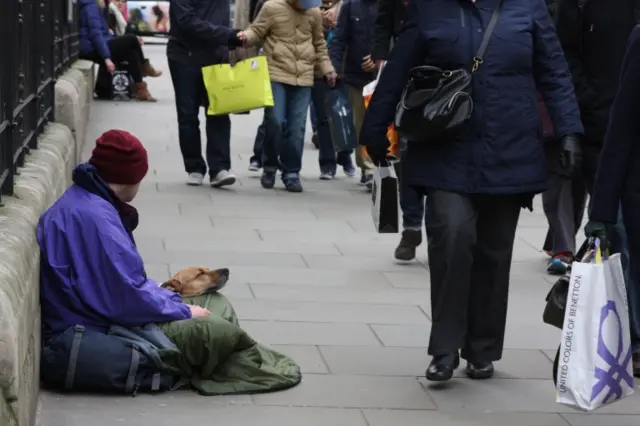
{"x":594,"y":36}
{"x":200,"y":31}
{"x":618,"y":177}
{"x":389,"y":21}
{"x":351,"y":41}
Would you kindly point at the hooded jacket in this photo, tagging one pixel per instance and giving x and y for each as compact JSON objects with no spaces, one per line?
{"x":93,"y":30}
{"x":90,"y":271}
{"x":294,"y":43}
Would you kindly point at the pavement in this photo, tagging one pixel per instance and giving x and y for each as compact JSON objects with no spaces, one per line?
{"x":310,"y":277}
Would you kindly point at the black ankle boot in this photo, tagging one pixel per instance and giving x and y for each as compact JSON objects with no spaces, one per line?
{"x":442,"y":367}
{"x":480,"y":370}
{"x":410,"y":240}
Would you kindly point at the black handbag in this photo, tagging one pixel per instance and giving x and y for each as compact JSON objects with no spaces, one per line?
{"x":434,"y":100}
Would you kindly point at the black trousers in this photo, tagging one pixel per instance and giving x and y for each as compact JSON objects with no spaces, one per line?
{"x":470,"y":249}
{"x":123,"y":48}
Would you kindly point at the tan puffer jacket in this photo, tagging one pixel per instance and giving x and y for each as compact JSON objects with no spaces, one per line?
{"x":293,"y":42}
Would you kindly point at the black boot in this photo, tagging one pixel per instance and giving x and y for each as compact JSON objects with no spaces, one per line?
{"x":442,"y":367}
{"x":480,"y":370}
{"x":410,"y":240}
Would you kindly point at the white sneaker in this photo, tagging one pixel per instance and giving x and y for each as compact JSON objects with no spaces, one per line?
{"x":326,"y":176}
{"x":223,"y":178}
{"x":195,"y":179}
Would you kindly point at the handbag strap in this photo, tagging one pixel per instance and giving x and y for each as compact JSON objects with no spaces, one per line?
{"x":479,"y":58}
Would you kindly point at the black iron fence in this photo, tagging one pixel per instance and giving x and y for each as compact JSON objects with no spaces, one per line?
{"x":38,"y":42}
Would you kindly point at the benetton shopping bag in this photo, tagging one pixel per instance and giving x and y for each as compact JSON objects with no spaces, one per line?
{"x":242,"y":87}
{"x":385,"y":201}
{"x":595,"y":366}
{"x":340,"y":115}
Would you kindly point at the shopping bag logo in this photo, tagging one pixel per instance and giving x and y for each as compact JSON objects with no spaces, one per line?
{"x":617,"y":364}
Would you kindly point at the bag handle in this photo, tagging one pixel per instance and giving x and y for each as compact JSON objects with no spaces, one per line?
{"x":479,"y":58}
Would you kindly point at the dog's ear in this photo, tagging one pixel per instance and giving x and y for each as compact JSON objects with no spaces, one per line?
{"x":172,"y":285}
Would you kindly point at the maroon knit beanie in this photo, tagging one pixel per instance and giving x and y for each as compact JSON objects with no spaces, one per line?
{"x":120,"y":158}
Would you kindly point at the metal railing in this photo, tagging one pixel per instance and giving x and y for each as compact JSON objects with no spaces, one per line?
{"x":38,"y":42}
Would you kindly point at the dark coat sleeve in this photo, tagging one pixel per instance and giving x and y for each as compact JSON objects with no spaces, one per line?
{"x":186,"y":17}
{"x":622,"y":133}
{"x":407,"y":54}
{"x":552,"y":74}
{"x":96,"y":29}
{"x":383,"y":29}
{"x":570,"y":33}
{"x":340,"y":36}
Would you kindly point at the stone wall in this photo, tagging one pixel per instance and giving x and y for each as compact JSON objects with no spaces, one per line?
{"x":44,"y":177}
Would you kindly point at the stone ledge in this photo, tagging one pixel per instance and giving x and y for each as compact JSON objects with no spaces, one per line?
{"x":45,"y":175}
{"x":73,"y":95}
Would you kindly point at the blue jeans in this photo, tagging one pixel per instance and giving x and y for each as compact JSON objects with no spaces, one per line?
{"x":191,"y":95}
{"x":327,"y":157}
{"x":313,"y":116}
{"x":284,"y":146}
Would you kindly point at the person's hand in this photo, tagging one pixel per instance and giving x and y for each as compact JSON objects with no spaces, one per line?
{"x":378,"y":156}
{"x":110,"y":65}
{"x":198,"y":311}
{"x":237,"y":39}
{"x":331,"y":78}
{"x":367,"y":64}
{"x":242,"y":36}
{"x":329,"y":17}
{"x":571,"y":153}
{"x":140,"y":41}
{"x":597,"y":230}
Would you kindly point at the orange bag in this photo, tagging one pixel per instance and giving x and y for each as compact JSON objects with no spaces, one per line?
{"x":392,"y":135}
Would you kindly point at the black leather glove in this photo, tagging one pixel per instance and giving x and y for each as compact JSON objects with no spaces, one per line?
{"x":597,"y":230}
{"x":234,"y":40}
{"x":378,"y":156}
{"x":571,"y":153}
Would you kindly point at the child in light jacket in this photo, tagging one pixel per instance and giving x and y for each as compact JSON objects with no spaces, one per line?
{"x":292,"y":34}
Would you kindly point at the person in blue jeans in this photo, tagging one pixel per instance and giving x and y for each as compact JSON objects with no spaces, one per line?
{"x":291,"y":33}
{"x":200,"y":36}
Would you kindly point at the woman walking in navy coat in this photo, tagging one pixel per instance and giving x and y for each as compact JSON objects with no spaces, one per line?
{"x":479,"y":178}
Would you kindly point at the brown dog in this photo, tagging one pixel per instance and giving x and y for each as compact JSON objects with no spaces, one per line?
{"x":194,"y":281}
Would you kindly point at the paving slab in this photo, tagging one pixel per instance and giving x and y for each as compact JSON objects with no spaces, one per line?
{"x":312,"y":278}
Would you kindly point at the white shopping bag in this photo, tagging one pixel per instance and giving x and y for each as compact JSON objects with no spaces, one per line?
{"x":595,"y":366}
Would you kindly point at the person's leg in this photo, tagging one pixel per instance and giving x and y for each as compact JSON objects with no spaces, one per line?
{"x":558,"y":204}
{"x":186,"y":81}
{"x":274,"y":122}
{"x":412,"y":206}
{"x":127,"y":48}
{"x":487,"y":302}
{"x":298,"y":99}
{"x":255,"y":162}
{"x":451,"y":229}
{"x":363,"y":161}
{"x":326,"y":153}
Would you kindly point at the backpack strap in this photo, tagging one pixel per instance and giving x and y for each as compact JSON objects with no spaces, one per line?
{"x":130,"y":385}
{"x":73,"y":356}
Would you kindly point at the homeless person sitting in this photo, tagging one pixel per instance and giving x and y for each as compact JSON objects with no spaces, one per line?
{"x":106,"y":326}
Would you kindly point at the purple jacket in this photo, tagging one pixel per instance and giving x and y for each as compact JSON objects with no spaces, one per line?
{"x":90,"y":271}
{"x":94,"y":31}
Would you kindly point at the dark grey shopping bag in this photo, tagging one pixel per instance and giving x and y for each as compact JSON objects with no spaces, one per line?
{"x":385,"y":201}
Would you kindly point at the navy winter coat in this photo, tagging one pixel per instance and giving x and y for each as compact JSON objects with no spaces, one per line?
{"x":200,"y":31}
{"x":500,"y":149}
{"x":353,"y":37}
{"x":94,"y":31}
{"x":618,"y":177}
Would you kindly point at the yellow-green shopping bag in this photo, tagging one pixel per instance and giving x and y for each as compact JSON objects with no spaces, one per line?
{"x":238,"y":88}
